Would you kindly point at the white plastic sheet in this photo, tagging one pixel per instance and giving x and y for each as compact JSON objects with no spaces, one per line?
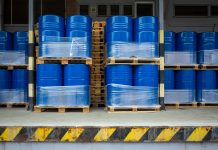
{"x":208,"y":57}
{"x":179,"y":96}
{"x":180,"y":58}
{"x":124,"y":95}
{"x":63,"y":96}
{"x":13,"y":57}
{"x":65,"y":47}
{"x":128,"y":50}
{"x":13,"y":96}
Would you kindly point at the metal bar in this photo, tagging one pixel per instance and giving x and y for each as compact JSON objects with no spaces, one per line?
{"x":31,"y":58}
{"x":1,"y":14}
{"x":161,"y":47}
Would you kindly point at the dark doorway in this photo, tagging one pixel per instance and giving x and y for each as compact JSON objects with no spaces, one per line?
{"x":144,"y":9}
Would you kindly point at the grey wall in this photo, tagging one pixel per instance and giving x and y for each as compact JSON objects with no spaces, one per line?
{"x":198,"y":24}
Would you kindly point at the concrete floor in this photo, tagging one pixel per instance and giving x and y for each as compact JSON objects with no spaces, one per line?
{"x":99,"y":117}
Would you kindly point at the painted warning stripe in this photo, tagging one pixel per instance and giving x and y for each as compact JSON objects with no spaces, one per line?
{"x":109,"y":134}
{"x":198,"y":134}
{"x":166,"y":134}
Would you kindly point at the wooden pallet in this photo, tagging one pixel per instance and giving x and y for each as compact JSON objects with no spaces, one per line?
{"x":98,"y":61}
{"x":132,"y":61}
{"x":98,"y":54}
{"x":61,"y":109}
{"x":209,"y":105}
{"x":182,"y":67}
{"x":208,"y":67}
{"x":97,"y":91}
{"x":12,"y":67}
{"x":98,"y":43}
{"x":98,"y":24}
{"x":13,"y":105}
{"x":98,"y":48}
{"x":98,"y":105}
{"x":182,"y":105}
{"x":63,"y":61}
{"x":98,"y":40}
{"x":133,"y":109}
{"x":98,"y":33}
{"x":97,"y":69}
{"x":97,"y":75}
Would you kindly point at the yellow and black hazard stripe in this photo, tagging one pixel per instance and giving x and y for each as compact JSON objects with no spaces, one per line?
{"x":109,"y":134}
{"x":161,"y":74}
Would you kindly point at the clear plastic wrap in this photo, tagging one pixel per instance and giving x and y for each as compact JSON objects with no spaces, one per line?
{"x":13,"y":96}
{"x":208,"y":96}
{"x":208,"y":57}
{"x":65,"y":47}
{"x":128,"y":50}
{"x":180,"y":58}
{"x":130,"y":96}
{"x":70,"y":96}
{"x":13,"y":57}
{"x":179,"y":96}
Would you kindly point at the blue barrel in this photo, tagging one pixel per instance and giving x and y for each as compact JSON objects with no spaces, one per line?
{"x":21,"y":41}
{"x":186,"y":41}
{"x":169,"y":79}
{"x":146,"y":75}
{"x":206,"y":80}
{"x":5,"y":40}
{"x":119,"y":74}
{"x":118,"y":31}
{"x":185,"y":79}
{"x":51,"y":22}
{"x":49,"y":75}
{"x":119,"y":28}
{"x":169,"y":41}
{"x":206,"y":41}
{"x":5,"y":79}
{"x":76,"y":74}
{"x":20,"y":79}
{"x":77,"y":22}
{"x":146,"y":30}
{"x":80,"y":29}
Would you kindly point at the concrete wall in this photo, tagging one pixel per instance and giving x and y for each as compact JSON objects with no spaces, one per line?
{"x":198,"y":24}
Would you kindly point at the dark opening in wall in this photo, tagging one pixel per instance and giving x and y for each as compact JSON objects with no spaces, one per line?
{"x":102,"y":10}
{"x":84,"y":10}
{"x":214,"y":10}
{"x":127,"y":10}
{"x":144,"y":10}
{"x":191,"y":10}
{"x":7,"y":12}
{"x":115,"y":10}
{"x":55,"y":7}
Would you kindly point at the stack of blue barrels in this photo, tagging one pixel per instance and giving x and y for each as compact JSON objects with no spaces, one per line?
{"x":72,"y":80}
{"x":119,"y":30}
{"x":181,"y":79}
{"x":15,"y":82}
{"x":192,"y":80}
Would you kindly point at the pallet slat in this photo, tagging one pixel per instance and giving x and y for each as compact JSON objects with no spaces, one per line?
{"x":133,"y":109}
{"x":64,"y":60}
{"x":133,"y":61}
{"x":182,"y":105}
{"x":60,"y":109}
{"x":13,"y":105}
